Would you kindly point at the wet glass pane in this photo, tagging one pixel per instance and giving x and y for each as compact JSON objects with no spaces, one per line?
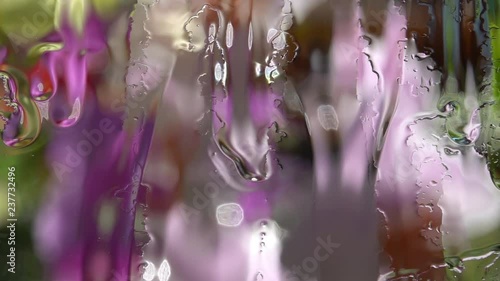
{"x":249,"y":140}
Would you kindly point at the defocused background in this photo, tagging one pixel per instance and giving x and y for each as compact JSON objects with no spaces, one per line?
{"x":250,"y":140}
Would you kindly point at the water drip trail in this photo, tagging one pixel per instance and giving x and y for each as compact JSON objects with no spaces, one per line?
{"x":140,"y":124}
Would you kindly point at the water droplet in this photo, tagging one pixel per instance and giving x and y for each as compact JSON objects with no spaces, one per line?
{"x":279,"y":41}
{"x":277,"y":103}
{"x":450,"y":152}
{"x":287,"y":7}
{"x":229,"y":35}
{"x":149,"y":271}
{"x":271,"y":34}
{"x":263,"y":223}
{"x":250,"y":159}
{"x":218,"y":72}
{"x":212,"y":33}
{"x":286,"y":22}
{"x":72,"y":118}
{"x":229,"y":214}
{"x":20,"y":122}
{"x":327,"y":117}
{"x":164,"y":271}
{"x":250,"y":36}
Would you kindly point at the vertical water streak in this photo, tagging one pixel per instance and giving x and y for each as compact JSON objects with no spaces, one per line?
{"x":139,"y":125}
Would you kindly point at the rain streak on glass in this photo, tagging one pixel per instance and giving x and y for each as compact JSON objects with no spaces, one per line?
{"x":250,"y":37}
